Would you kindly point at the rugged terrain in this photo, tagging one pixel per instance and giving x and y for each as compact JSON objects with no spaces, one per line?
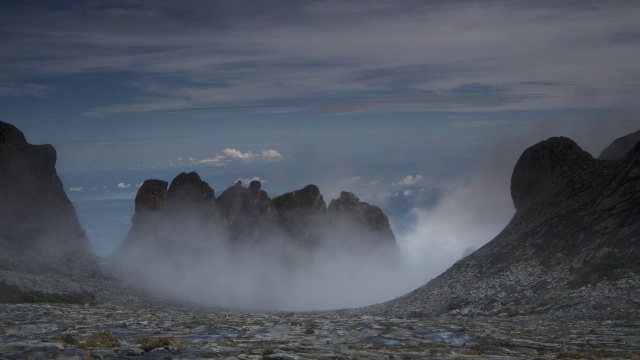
{"x":247,"y":215}
{"x":573,"y":245}
{"x":561,"y":281}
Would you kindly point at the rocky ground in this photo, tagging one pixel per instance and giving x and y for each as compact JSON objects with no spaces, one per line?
{"x":117,"y":331}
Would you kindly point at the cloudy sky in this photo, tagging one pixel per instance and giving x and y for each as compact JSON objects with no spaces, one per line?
{"x":383,"y":98}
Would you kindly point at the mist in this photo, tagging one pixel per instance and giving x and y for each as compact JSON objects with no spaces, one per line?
{"x":472,"y":210}
{"x":272,"y":273}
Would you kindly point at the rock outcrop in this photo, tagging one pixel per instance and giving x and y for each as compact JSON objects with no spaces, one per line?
{"x":367,"y":217}
{"x":248,"y":216}
{"x":301,"y":213}
{"x":35,"y":212}
{"x":189,"y":195}
{"x":573,"y":244}
{"x":620,"y":147}
{"x":43,"y":250}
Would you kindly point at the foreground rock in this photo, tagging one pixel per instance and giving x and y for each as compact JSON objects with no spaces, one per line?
{"x":573,"y":244}
{"x":142,"y":332}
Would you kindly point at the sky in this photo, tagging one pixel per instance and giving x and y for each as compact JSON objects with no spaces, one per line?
{"x":386,"y":99}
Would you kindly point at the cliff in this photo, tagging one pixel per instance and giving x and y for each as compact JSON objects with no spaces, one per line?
{"x":573,"y":244}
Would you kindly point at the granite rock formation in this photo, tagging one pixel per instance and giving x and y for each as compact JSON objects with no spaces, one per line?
{"x":189,"y":194}
{"x":35,"y":212}
{"x":366,"y":216}
{"x":43,"y":249}
{"x":247,"y":215}
{"x":301,"y":213}
{"x":573,"y":244}
{"x":620,"y":147}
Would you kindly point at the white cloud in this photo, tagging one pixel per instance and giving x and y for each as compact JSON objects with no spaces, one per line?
{"x":225,"y":157}
{"x":138,"y":186}
{"x":76,"y":189}
{"x":409,"y":180}
{"x":123,"y":186}
{"x":248,"y":181}
{"x":267,"y":155}
{"x":218,"y":160}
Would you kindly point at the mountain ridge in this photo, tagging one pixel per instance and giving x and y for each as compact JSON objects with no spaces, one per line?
{"x":573,"y":244}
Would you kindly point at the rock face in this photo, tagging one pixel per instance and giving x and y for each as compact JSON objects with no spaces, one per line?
{"x":301,"y":213}
{"x":248,"y":215}
{"x":34,"y":209}
{"x":620,"y":147}
{"x":188,"y":193}
{"x":364,"y":215}
{"x":574,"y":242}
{"x":43,"y":249}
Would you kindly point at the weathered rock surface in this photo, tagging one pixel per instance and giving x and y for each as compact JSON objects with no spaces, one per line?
{"x":248,"y":215}
{"x":573,"y":244}
{"x":248,"y":212}
{"x":174,"y":332}
{"x":368,"y":217}
{"x":301,"y":213}
{"x":151,"y":200}
{"x":34,"y":209}
{"x":189,"y":194}
{"x":43,"y":249}
{"x":620,"y":147}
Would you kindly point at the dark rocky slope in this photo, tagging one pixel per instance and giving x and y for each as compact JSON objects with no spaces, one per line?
{"x":34,"y":209}
{"x":573,"y":244}
{"x":40,"y":235}
{"x":620,"y":147}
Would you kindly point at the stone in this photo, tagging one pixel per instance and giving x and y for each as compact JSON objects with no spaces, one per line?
{"x":189,"y":194}
{"x":151,"y":199}
{"x":368,"y":217}
{"x":545,"y":168}
{"x":573,"y":243}
{"x":35,"y":212}
{"x":620,"y":147}
{"x":300,"y":212}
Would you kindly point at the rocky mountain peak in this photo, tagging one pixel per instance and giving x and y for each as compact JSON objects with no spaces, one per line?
{"x":35,"y":212}
{"x":11,"y":134}
{"x":152,"y":196}
{"x":545,"y":168}
{"x":572,"y":246}
{"x":188,"y":193}
{"x":349,"y":206}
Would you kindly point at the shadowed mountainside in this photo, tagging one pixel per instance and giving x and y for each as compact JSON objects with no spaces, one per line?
{"x":40,"y":234}
{"x":573,"y":244}
{"x":34,"y":209}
